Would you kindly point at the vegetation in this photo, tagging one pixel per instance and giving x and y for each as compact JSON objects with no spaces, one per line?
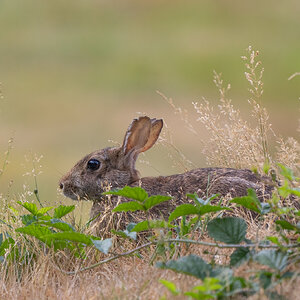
{"x":276,"y":257}
{"x":213,"y":248}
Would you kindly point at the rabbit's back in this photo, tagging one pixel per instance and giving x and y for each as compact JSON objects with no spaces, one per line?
{"x":207,"y":181}
{"x":204,"y":181}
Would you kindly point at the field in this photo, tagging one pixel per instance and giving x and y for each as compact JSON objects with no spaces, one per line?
{"x":73,"y":76}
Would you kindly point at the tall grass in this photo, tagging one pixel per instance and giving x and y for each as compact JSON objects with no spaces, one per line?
{"x":233,"y":142}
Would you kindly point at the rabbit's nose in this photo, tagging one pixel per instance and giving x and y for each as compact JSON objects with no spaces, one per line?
{"x":61,"y":186}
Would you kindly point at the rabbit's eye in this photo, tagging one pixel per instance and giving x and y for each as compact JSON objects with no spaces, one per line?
{"x":93,"y":164}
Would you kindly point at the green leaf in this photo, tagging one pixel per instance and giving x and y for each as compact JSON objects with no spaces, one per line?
{"x":68,"y":236}
{"x":31,"y":207}
{"x":155,"y":200}
{"x":204,"y":209}
{"x":144,"y":225}
{"x":250,"y":201}
{"x":28,"y":219}
{"x":287,"y":225}
{"x":239,"y":256}
{"x":295,"y":191}
{"x":129,"y":206}
{"x":183,"y":210}
{"x":35,"y":230}
{"x":103,"y":245}
{"x":62,"y":210}
{"x":58,"y":224}
{"x":44,"y":210}
{"x":229,"y":230}
{"x":265,"y":279}
{"x":272,"y":258}
{"x":136,"y":193}
{"x":127,"y":233}
{"x":190,"y":265}
{"x":286,"y":172}
{"x":274,"y":240}
{"x":170,"y":286}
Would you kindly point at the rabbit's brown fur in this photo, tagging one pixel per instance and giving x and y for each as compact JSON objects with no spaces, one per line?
{"x":117,"y":169}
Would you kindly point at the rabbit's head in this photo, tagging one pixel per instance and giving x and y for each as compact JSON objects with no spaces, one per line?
{"x":112,"y":167}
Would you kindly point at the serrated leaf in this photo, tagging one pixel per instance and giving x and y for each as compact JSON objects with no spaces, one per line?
{"x":204,"y":209}
{"x":170,"y":286}
{"x":68,"y":236}
{"x":103,"y":245}
{"x":62,"y":210}
{"x":31,"y":207}
{"x":35,"y":230}
{"x":183,"y":210}
{"x":191,"y":265}
{"x":44,"y":210}
{"x":136,"y":193}
{"x":272,"y":258}
{"x":144,"y":225}
{"x":239,"y":256}
{"x":229,"y":230}
{"x":250,"y":201}
{"x":129,"y":206}
{"x":155,"y":200}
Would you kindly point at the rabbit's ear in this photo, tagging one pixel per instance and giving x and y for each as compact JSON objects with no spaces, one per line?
{"x":156,"y":126}
{"x":137,"y":135}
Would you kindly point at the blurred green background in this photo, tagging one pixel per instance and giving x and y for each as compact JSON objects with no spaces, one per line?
{"x":75,"y":73}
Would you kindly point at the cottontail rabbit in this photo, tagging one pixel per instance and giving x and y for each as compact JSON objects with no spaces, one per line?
{"x":115,"y":167}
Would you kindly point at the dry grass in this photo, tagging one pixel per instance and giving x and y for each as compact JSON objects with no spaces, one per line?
{"x":233,"y":143}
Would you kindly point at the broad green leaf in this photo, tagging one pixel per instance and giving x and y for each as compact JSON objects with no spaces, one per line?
{"x":190,"y":265}
{"x":250,"y":201}
{"x":204,"y":209}
{"x":136,"y":193}
{"x":183,"y":210}
{"x":62,"y":210}
{"x":128,"y":206}
{"x":68,"y":236}
{"x":247,"y":202}
{"x":58,"y":224}
{"x":155,"y":200}
{"x":229,"y":230}
{"x":103,"y":245}
{"x":239,"y":256}
{"x":170,"y":286}
{"x":44,"y":210}
{"x":35,"y":230}
{"x":144,"y":225}
{"x":31,"y":207}
{"x":274,"y":259}
{"x":287,"y":225}
{"x":28,"y":219}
